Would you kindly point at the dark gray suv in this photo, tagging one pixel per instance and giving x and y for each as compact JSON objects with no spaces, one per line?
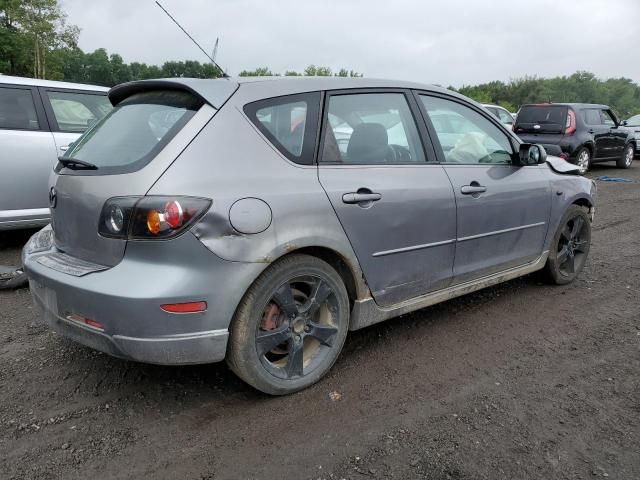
{"x":259,"y":221}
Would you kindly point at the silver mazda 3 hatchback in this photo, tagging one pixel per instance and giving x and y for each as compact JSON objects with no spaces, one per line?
{"x":258,"y":221}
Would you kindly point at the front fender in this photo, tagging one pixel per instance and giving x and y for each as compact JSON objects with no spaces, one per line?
{"x":566,"y":191}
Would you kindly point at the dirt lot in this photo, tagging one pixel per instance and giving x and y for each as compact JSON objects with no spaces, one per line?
{"x":519,"y":381}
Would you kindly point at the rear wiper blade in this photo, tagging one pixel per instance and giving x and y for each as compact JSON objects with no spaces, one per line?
{"x":74,"y":163}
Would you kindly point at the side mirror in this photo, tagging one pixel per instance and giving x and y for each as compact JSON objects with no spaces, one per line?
{"x":531,"y":154}
{"x":624,"y":123}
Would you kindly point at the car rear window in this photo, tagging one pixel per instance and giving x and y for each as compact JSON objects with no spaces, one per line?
{"x":135,"y":131}
{"x":541,"y":119}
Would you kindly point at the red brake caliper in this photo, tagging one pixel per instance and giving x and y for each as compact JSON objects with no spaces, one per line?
{"x":269,"y":317}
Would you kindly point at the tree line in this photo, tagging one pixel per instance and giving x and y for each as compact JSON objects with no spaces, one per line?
{"x":36,"y":41}
{"x":621,"y":94}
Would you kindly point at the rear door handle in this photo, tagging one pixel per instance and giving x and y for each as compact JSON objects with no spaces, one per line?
{"x":471,"y":189}
{"x":355,"y":197}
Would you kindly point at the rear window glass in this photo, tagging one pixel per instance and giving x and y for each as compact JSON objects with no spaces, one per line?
{"x":542,"y":118}
{"x":75,"y":112}
{"x":135,"y":131}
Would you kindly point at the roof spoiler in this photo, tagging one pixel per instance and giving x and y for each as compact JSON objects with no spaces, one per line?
{"x":215,"y":92}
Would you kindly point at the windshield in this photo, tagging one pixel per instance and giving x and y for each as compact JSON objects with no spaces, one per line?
{"x":635,"y":121}
{"x":542,"y":118}
{"x":133,"y":133}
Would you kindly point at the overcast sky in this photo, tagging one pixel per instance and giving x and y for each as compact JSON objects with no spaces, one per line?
{"x":449,"y":42}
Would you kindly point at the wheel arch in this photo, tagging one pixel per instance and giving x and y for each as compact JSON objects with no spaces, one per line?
{"x":351,"y":274}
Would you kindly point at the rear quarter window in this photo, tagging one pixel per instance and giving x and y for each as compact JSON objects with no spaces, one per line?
{"x":290,"y":123}
{"x":135,"y":131}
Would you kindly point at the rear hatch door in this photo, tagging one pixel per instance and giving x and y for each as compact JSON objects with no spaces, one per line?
{"x":543,"y":123}
{"x":151,"y":124}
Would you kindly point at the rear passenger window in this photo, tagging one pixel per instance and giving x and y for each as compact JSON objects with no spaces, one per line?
{"x":17,"y":110}
{"x":592,"y":117}
{"x":371,"y":128}
{"x":289,"y":123}
{"x":75,"y":112}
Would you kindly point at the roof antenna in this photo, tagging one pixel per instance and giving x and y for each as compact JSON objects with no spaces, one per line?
{"x":224,"y":74}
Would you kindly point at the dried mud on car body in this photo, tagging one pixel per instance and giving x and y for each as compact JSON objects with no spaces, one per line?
{"x":522,"y":380}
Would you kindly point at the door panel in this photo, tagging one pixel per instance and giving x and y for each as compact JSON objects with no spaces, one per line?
{"x":28,"y":154}
{"x":405,"y":241}
{"x":601,"y":132}
{"x":504,"y":226}
{"x":502,"y":209}
{"x":63,"y":139}
{"x":28,"y":158}
{"x":397,"y":210}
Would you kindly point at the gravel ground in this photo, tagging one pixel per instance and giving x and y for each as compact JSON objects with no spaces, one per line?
{"x":519,"y":381}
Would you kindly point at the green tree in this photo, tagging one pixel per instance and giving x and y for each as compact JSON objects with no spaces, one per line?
{"x":30,"y":31}
{"x":258,"y":72}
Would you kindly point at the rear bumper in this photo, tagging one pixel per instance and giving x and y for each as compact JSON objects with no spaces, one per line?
{"x":125,"y":300}
{"x":188,"y":348}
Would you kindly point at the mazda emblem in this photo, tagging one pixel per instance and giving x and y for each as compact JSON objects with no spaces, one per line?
{"x":53,"y":197}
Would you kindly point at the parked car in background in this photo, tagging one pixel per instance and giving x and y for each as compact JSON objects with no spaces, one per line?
{"x":586,"y":133}
{"x":212,"y":219}
{"x":633,"y":124}
{"x":505,"y":117}
{"x":38,"y":121}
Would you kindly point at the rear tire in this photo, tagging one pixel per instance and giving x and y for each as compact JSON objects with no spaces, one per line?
{"x":583,"y":160}
{"x":290,"y":326}
{"x":627,"y":157}
{"x":570,"y":247}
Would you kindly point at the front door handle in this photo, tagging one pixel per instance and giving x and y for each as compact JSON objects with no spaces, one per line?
{"x":471,"y":189}
{"x":355,"y":197}
{"x":64,"y":148}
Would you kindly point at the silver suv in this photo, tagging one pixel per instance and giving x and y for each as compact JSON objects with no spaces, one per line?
{"x":38,"y":120}
{"x":259,"y":221}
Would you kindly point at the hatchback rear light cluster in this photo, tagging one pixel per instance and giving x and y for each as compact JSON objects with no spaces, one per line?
{"x":570,"y":126}
{"x":144,"y":218}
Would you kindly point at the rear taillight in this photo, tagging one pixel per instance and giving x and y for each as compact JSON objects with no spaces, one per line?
{"x":570,"y":126}
{"x":142,"y":218}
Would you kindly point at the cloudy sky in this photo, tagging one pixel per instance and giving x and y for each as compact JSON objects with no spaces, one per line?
{"x":449,"y":42}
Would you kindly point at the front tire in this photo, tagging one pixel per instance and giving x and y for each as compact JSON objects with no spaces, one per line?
{"x":627,"y":157}
{"x":290,"y":326}
{"x":583,"y":160}
{"x":570,"y":247}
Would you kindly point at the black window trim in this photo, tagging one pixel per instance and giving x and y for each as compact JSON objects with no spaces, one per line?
{"x":428,"y":149}
{"x":513,"y":140}
{"x":48,"y":108}
{"x":313,"y":100}
{"x":43,"y":124}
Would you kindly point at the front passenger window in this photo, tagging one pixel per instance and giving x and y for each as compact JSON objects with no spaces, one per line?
{"x":466,"y":136}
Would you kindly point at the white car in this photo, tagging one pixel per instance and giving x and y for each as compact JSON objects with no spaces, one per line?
{"x":505,"y":117}
{"x":38,"y":121}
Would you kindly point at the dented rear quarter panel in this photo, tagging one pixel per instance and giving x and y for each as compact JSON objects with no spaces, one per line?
{"x":218,"y":166}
